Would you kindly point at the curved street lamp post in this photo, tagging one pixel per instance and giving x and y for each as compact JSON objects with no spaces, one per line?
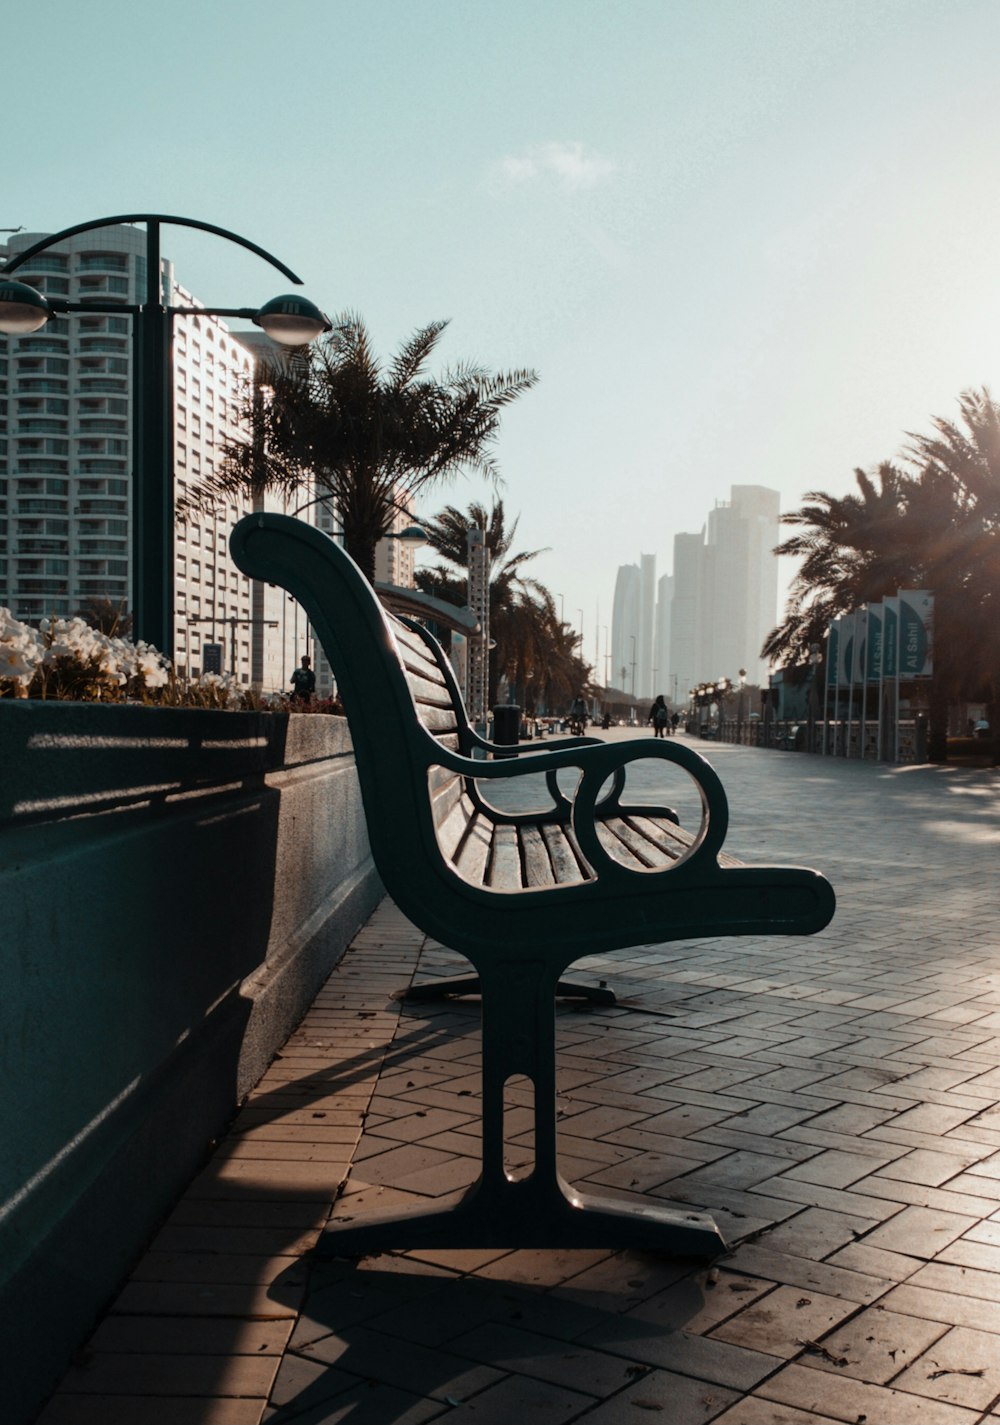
{"x":290,"y":320}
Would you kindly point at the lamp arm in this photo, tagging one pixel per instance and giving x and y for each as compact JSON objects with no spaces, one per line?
{"x":123,"y":218}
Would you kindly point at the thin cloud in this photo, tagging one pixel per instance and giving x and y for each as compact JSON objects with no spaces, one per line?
{"x":572,"y":166}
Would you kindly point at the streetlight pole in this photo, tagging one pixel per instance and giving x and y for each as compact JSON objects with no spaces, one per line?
{"x":290,"y":320}
{"x":632,"y":637}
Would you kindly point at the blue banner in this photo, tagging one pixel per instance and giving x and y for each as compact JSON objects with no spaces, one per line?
{"x":833,"y":655}
{"x":890,"y":638}
{"x":873,"y":661}
{"x":916,"y":616}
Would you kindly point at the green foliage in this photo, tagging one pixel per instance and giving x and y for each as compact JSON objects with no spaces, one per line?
{"x":930,"y":521}
{"x":334,"y":425}
{"x":535,"y":650}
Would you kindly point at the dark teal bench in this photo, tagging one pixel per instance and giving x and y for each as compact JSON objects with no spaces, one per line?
{"x":522,"y":894}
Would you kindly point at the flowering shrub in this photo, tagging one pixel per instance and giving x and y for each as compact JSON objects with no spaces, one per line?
{"x":67,"y":659}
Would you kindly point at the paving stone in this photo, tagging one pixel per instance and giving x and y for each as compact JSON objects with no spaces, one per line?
{"x":365,"y":1404}
{"x":783,"y":1320}
{"x":815,"y":1233}
{"x":699,"y":1303}
{"x":754,"y":1411}
{"x":184,"y":1336}
{"x":523,"y":1353}
{"x":944,"y":1306}
{"x":919,"y":1231}
{"x":876,"y":1346}
{"x":852,"y":1400}
{"x":833,"y":1168}
{"x":132,"y":1373}
{"x":516,"y":1398}
{"x":702,"y":1357}
{"x":758,"y":1259}
{"x":962,"y":1367}
{"x":149,"y":1410}
{"x":371,"y":1355}
{"x":681,"y":1400}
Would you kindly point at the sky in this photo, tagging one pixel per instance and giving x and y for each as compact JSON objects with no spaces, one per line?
{"x":740,"y":241}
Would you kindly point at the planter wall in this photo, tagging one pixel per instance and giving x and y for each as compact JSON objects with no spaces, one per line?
{"x":174,"y":888}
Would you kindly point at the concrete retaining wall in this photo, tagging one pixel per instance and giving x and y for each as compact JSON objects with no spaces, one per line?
{"x":174,"y":887}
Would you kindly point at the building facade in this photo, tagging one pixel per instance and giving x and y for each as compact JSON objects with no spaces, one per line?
{"x":66,"y":463}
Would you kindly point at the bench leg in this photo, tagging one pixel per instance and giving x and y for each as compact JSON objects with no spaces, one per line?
{"x":540,"y":1210}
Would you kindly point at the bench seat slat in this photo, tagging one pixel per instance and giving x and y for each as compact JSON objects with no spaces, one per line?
{"x":668,"y":836}
{"x":452,"y":816}
{"x":504,"y":872}
{"x":473,"y":855}
{"x":568,"y":865}
{"x":535,"y":858}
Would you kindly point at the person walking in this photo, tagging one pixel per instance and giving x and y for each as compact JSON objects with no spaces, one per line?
{"x":303,"y":681}
{"x":659,"y":716}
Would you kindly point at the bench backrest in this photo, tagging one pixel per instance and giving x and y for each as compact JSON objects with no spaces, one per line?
{"x":401,"y":702}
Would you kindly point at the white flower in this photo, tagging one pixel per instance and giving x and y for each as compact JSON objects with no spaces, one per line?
{"x":20,"y":648}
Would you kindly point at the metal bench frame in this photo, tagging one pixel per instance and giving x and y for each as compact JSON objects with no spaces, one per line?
{"x":520,"y":940}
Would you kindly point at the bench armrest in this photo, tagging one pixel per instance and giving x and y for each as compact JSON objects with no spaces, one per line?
{"x":601,"y":762}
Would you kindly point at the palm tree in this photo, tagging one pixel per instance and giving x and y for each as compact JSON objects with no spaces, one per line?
{"x":534,"y":650}
{"x":934,"y":525}
{"x":854,"y":549}
{"x":963,"y":465}
{"x":362,"y":437}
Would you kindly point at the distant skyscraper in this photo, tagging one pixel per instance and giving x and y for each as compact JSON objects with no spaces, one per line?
{"x":663,"y":681}
{"x":625,"y":627}
{"x":725,"y":594}
{"x":741,"y":595}
{"x":647,"y":618}
{"x":686,"y":613}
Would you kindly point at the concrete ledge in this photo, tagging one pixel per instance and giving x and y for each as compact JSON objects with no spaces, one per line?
{"x":176,"y":886}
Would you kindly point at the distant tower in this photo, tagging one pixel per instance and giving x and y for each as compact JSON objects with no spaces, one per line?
{"x":664,"y":681}
{"x":686,"y":657}
{"x":647,"y":614}
{"x":741,"y":594}
{"x":625,"y":628}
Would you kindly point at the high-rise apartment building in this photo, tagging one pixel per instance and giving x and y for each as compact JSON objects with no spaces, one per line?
{"x":66,"y":462}
{"x":647,"y":622}
{"x":725,"y":592}
{"x":662,"y":680}
{"x":686,"y":614}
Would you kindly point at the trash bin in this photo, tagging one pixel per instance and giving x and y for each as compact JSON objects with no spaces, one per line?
{"x":506,"y":724}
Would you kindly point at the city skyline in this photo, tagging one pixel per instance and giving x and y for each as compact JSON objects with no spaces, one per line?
{"x":708,"y":617}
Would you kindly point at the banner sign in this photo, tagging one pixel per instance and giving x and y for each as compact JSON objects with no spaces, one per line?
{"x":890,"y":638}
{"x":846,"y":651}
{"x":916,"y":620}
{"x":873,"y":661}
{"x":860,"y":645}
{"x":833,"y":654}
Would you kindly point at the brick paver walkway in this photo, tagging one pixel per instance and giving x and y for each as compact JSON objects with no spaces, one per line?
{"x":833,"y":1101}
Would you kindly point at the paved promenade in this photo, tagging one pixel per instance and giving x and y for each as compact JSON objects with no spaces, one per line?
{"x":833,"y":1101}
